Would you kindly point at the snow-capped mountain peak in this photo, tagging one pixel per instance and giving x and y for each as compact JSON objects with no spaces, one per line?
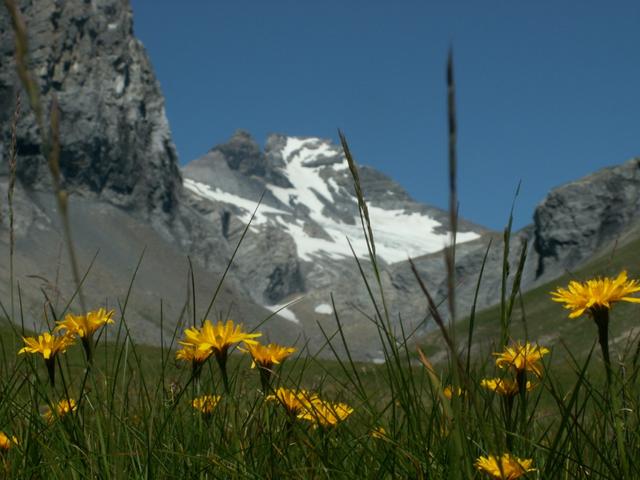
{"x":315,"y":204}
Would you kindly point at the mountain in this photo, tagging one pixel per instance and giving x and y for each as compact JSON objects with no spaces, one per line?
{"x":128,"y":195}
{"x":573,"y":224}
{"x":306,"y":209}
{"x":309,"y":211}
{"x":546,"y":322}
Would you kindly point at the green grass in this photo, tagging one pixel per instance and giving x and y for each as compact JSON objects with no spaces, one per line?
{"x":136,"y":421}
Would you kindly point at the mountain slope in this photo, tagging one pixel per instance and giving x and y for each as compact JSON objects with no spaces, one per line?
{"x":546,"y":322}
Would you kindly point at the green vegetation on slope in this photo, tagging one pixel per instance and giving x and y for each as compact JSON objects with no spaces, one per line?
{"x":537,"y":319}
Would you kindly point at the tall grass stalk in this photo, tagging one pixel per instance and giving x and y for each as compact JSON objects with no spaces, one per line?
{"x":13,"y":170}
{"x":50,"y":135}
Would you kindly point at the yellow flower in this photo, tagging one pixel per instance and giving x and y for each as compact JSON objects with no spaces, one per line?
{"x":379,"y":433}
{"x":190,"y":353}
{"x":217,"y":338}
{"x":522,"y":358}
{"x":266,"y":355}
{"x":292,"y":400}
{"x":85,"y":325}
{"x":6,"y":443}
{"x":325,"y":413}
{"x":62,"y":408}
{"x":206,"y":403}
{"x":503,"y":386}
{"x":46,"y":344}
{"x":505,"y":467}
{"x":448,"y":391}
{"x":596,"y":293}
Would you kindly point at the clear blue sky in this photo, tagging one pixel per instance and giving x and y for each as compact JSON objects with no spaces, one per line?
{"x":548,"y":91}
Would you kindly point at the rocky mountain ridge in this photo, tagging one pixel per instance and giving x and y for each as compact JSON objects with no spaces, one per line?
{"x":308,"y":211}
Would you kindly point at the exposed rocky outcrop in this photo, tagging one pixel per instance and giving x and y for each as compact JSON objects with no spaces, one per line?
{"x":578,"y":218}
{"x":115,"y":138}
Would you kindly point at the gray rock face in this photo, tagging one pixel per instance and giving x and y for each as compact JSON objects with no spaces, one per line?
{"x":576,"y":219}
{"x":115,"y":138}
{"x":243,"y":154}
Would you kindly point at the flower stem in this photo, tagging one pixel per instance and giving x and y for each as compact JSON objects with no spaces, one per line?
{"x":51,"y":370}
{"x":221,"y":357}
{"x":521,"y":378}
{"x":601,"y":317}
{"x":265,"y":379}
{"x":88,"y":349}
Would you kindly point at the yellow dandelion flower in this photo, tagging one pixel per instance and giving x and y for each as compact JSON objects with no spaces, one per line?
{"x":189,"y":353}
{"x":448,"y":391}
{"x":217,"y":338}
{"x":205,"y":403}
{"x":325,"y":413}
{"x":522,"y":358}
{"x":46,"y":344}
{"x":85,"y":325}
{"x":503,"y":386}
{"x":292,"y":400}
{"x":266,"y":356}
{"x":7,"y":442}
{"x":505,"y":467}
{"x":597,"y":293}
{"x":62,"y":408}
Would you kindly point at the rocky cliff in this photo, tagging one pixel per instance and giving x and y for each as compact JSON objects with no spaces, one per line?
{"x":115,"y":137}
{"x":579,"y":218}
